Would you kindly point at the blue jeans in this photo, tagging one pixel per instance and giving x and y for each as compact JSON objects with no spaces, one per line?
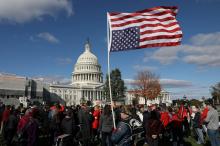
{"x":200,"y":136}
{"x":214,"y":137}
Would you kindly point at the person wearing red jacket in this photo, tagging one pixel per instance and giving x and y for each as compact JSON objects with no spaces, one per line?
{"x":204,"y":114}
{"x":203,"y":117}
{"x":165,"y":118}
{"x":177,"y":127}
{"x":5,"y":117}
{"x":95,"y":123}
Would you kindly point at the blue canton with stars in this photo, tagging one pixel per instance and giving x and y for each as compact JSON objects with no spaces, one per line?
{"x":125,"y":39}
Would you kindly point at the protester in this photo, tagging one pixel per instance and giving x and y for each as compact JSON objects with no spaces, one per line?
{"x":55,"y":117}
{"x":85,"y":125}
{"x":140,"y":113}
{"x":197,"y":125}
{"x":68,"y":127}
{"x":165,"y":120}
{"x":10,"y":127}
{"x":177,"y":127}
{"x":154,"y":131}
{"x":212,"y":121}
{"x":82,"y":125}
{"x":2,"y":108}
{"x":27,"y":129}
{"x":146,"y":117}
{"x":203,"y":117}
{"x":106,"y":126}
{"x":5,"y":117}
{"x":122,"y":135}
{"x":95,"y":124}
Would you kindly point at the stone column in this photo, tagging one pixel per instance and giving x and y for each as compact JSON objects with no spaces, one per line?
{"x":96,"y":95}
{"x":87,"y":95}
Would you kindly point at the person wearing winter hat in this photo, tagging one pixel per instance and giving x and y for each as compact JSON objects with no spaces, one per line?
{"x":122,"y":135}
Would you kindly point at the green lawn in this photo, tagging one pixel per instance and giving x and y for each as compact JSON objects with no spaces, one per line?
{"x":190,"y":141}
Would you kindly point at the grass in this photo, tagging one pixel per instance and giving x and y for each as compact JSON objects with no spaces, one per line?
{"x":190,"y":141}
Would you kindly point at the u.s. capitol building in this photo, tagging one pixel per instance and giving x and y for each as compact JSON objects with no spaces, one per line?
{"x":87,"y":81}
{"x":86,"y":85}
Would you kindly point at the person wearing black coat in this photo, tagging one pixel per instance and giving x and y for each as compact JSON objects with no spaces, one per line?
{"x":10,"y":128}
{"x":68,"y":125}
{"x":197,"y":125}
{"x":85,"y":125}
{"x":68,"y":129}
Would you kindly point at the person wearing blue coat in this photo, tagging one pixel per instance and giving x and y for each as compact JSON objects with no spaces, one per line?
{"x":122,"y":135}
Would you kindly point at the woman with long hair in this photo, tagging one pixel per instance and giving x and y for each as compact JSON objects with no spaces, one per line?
{"x":106,"y":126}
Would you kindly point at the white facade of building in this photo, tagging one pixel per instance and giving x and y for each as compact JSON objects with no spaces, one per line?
{"x":163,"y":98}
{"x":87,"y":81}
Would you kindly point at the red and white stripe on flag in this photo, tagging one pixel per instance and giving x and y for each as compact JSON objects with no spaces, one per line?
{"x":154,"y":27}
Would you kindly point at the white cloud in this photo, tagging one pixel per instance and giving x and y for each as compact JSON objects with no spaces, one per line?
{"x":208,"y":55}
{"x":172,"y":83}
{"x":204,"y":51}
{"x":54,"y":79}
{"x":64,"y":61}
{"x":194,"y":92}
{"x":164,"y":55}
{"x":48,"y":37}
{"x":206,"y":39}
{"x":203,"y":60}
{"x":167,"y":83}
{"x":142,"y":67}
{"x":21,"y":11}
{"x":129,"y":81}
{"x":179,"y":88}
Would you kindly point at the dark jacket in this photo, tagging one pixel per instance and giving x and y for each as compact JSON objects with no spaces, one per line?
{"x":32,"y":132}
{"x":68,"y":126}
{"x":154,"y":127}
{"x":85,"y":124}
{"x":146,"y":118}
{"x":106,"y":123}
{"x":197,"y":120}
{"x":123,"y":134}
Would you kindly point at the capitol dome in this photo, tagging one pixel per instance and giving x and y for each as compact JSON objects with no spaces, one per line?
{"x":87,"y":57}
{"x":87,"y":69}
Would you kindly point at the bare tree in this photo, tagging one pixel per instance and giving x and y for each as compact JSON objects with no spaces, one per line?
{"x":146,"y":85}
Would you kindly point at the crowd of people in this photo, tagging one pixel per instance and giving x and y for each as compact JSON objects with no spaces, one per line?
{"x":158,"y":125}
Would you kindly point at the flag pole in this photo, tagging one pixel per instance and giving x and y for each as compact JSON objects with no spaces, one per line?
{"x":109,"y":78}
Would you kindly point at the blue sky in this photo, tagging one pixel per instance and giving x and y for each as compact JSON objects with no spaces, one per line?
{"x":44,"y":38}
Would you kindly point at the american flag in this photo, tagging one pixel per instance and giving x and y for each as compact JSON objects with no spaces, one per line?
{"x":154,"y":27}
